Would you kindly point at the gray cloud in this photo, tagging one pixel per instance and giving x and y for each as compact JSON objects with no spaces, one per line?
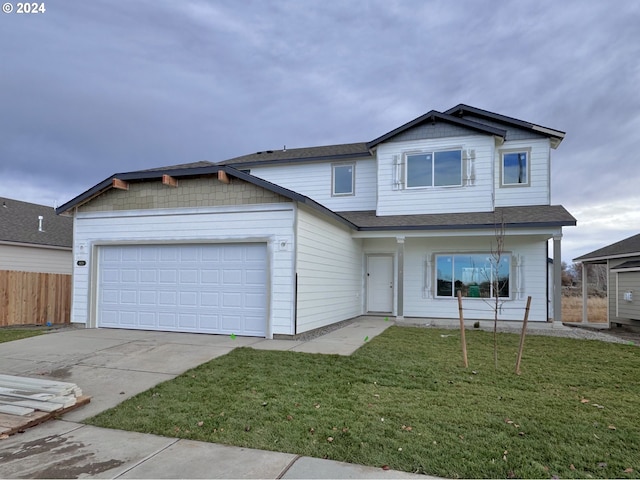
{"x":93,"y":88}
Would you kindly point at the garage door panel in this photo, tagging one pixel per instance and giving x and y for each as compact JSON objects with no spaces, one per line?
{"x":169,"y":299}
{"x":254,"y":300}
{"x":232,"y":277}
{"x":210,"y":322}
{"x":149,"y":276}
{"x":147,"y":319}
{"x":168,"y":276}
{"x":209,"y":277}
{"x":128,"y":297}
{"x":188,"y":299}
{"x":128,"y":276}
{"x":190,"y":254}
{"x":190,"y":288}
{"x":231,"y":299}
{"x":188,"y":321}
{"x":209,"y":299}
{"x":254,"y":277}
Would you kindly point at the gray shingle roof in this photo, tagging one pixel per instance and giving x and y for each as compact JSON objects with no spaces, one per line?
{"x":19,"y":224}
{"x":293,"y":155}
{"x":628,"y":246}
{"x":530,"y":216}
{"x":202,"y":163}
{"x":627,"y":265}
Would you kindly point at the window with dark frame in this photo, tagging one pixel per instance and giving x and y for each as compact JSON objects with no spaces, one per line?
{"x":434,"y":169}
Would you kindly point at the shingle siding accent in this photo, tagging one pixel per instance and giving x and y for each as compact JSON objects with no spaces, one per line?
{"x":430,"y":131}
{"x":200,"y":192}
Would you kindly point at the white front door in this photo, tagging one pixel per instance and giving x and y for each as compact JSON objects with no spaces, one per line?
{"x":380,"y":283}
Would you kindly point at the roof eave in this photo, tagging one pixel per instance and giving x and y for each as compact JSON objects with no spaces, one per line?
{"x":479,"y":226}
{"x":555,"y":136}
{"x":254,"y":163}
{"x":127,"y":176}
{"x":604,"y":258}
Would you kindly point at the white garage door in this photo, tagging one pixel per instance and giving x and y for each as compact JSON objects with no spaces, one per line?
{"x":184,"y":288}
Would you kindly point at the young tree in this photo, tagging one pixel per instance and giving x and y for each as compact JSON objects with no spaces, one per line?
{"x":497,"y":285}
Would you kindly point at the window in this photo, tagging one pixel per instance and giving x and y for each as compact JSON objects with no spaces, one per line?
{"x":343,"y":180}
{"x":473,"y":274}
{"x":434,"y":169}
{"x":515,"y":168}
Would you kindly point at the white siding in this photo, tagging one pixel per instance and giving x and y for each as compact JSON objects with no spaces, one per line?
{"x":420,"y":301}
{"x":270,"y":223}
{"x":314,"y":181}
{"x":329,"y":270}
{"x":471,"y":198}
{"x":35,"y":259}
{"x":538,"y":190}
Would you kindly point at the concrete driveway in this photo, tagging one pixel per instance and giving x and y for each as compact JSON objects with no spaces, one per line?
{"x":113,"y":365}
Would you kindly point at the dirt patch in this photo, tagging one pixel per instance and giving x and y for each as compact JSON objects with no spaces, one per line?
{"x":624,"y":332}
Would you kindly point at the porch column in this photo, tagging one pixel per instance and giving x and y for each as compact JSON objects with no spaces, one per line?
{"x":400,"y":281}
{"x":557,"y":281}
{"x":585,"y":293}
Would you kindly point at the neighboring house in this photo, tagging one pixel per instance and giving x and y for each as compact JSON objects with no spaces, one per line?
{"x":623,"y":280}
{"x":34,"y":239}
{"x":286,"y":241}
{"x":35,"y":264}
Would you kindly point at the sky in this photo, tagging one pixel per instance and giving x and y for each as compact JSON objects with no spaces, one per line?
{"x":93,"y":88}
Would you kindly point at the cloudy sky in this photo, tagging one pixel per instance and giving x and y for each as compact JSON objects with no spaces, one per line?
{"x":91,"y":88}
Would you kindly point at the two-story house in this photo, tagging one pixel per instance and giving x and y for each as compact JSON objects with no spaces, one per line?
{"x":281,"y":242}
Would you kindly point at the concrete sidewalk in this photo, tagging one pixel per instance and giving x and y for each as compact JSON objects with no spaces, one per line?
{"x":113,"y":365}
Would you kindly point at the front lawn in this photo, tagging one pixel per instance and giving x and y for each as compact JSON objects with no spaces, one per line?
{"x":10,"y":334}
{"x":404,"y":400}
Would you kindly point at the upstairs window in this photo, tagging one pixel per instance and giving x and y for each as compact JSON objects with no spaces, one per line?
{"x":474,"y":275}
{"x":434,"y":169}
{"x":515,"y":168}
{"x":343,"y":180}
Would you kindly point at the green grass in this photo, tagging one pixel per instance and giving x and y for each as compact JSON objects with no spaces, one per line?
{"x":405,"y":401}
{"x":11,"y":334}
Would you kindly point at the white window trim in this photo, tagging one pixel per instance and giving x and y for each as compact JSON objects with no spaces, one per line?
{"x":333,"y":179}
{"x":526,"y":150}
{"x":407,"y":154}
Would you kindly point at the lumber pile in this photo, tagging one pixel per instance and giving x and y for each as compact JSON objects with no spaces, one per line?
{"x":25,"y":402}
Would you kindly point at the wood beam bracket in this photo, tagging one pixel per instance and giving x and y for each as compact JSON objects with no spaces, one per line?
{"x":120,"y":184}
{"x":169,"y":180}
{"x":223,"y":177}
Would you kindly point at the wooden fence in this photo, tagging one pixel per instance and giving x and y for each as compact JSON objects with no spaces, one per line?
{"x":28,"y":298}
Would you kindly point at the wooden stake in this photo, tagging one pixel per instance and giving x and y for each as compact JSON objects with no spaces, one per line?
{"x":462,"y":337}
{"x":524,"y":329}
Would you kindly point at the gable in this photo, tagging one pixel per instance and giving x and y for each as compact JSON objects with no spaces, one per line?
{"x":197,"y":192}
{"x":428,"y":131}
